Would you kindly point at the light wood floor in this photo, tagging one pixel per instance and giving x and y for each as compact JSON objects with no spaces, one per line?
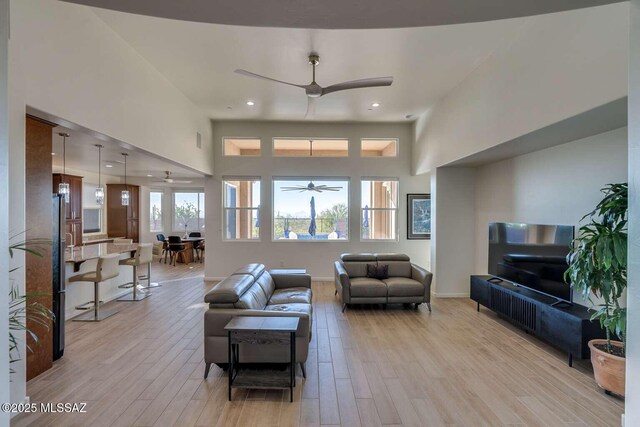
{"x":366,"y":367}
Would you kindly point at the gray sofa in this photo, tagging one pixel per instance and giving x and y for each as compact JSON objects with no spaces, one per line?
{"x":253,"y":291}
{"x":407,"y":282}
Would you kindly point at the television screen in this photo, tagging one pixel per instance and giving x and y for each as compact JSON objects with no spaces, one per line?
{"x":531,"y":255}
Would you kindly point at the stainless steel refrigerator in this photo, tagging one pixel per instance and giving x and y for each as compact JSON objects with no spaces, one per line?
{"x":58,"y":288}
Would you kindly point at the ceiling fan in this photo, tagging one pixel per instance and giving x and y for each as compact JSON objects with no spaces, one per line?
{"x":314,"y":90}
{"x":168,"y":180}
{"x":311,"y":187}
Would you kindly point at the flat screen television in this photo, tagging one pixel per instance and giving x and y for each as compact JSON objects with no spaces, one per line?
{"x":531,"y":255}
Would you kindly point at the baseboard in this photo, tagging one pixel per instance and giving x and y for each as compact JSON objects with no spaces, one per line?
{"x":460,"y":295}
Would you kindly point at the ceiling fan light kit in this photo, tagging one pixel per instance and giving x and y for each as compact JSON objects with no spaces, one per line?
{"x":313,"y":90}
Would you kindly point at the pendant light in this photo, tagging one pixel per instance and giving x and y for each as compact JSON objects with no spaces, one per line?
{"x":124,"y":197}
{"x":99,"y":189}
{"x":63,"y":187}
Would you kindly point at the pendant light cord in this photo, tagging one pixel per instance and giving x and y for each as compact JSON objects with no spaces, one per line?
{"x":64,"y":158}
{"x":99,"y":165}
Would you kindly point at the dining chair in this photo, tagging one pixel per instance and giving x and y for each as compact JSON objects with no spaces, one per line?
{"x":175,"y":247}
{"x":160,"y":237}
{"x":197,"y":244}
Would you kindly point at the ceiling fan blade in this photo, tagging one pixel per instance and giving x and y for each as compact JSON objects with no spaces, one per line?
{"x":331,"y":188}
{"x":292,"y":188}
{"x":181,"y":182}
{"x":358,"y":84}
{"x":311,"y":108}
{"x":258,"y":76}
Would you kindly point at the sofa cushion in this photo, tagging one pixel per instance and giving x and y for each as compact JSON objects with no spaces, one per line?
{"x":404,"y":287}
{"x":290,"y":308}
{"x":378,"y":271}
{"x":254,"y":270}
{"x":367,"y":287}
{"x":267,"y":284}
{"x":229,"y":290}
{"x":399,"y":264}
{"x":253,"y":298}
{"x":399,"y":268}
{"x":291,"y":295}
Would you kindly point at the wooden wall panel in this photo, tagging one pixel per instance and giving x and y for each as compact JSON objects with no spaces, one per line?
{"x":38,"y":206}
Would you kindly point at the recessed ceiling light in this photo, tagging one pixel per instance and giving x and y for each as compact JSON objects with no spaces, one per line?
{"x":375,"y":104}
{"x":149,"y":175}
{"x":108,"y":166}
{"x":53,"y":154}
{"x":251,"y":103}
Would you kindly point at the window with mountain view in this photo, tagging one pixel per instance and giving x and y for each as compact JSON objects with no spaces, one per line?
{"x":309,"y":209}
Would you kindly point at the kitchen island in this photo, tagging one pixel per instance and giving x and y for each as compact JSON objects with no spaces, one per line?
{"x":81,"y":259}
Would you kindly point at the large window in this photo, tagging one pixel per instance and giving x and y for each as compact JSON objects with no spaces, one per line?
{"x":188,"y":211}
{"x":155,"y":212}
{"x":307,"y":147}
{"x":310,"y":209}
{"x":241,"y":216}
{"x":379,"y":209}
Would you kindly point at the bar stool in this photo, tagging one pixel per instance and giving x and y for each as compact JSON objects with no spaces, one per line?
{"x":106,"y":268}
{"x":143,"y":255}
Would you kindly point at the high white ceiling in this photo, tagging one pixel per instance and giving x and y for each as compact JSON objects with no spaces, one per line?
{"x":341,"y":13}
{"x":200,"y":59}
{"x":82,"y":154}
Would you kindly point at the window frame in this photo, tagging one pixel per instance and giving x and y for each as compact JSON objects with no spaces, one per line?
{"x":224,"y":138}
{"x":310,"y":178}
{"x":396,"y":209}
{"x":300,"y":138}
{"x":176,"y":191}
{"x":397,"y":140}
{"x":162,"y":213}
{"x":258,"y":209}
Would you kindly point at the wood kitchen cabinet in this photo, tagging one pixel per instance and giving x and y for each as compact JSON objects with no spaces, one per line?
{"x":73,"y":209}
{"x":123,"y":221}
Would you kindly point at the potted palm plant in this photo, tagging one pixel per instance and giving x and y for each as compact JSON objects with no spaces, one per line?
{"x":598,"y":270}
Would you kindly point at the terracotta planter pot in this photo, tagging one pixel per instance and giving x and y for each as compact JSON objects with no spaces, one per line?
{"x":608,"y":370}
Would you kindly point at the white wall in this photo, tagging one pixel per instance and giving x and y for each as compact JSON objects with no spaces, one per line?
{"x":563,"y":64}
{"x":558,"y":185}
{"x":632,"y":402}
{"x":74,"y":66}
{"x":65,"y":61}
{"x":453,"y":246}
{"x":4,"y":204}
{"x":317,"y":257}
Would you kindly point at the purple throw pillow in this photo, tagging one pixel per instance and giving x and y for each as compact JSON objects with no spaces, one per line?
{"x":379,"y":272}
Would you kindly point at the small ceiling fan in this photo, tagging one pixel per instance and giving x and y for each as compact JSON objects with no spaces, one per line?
{"x":311,"y":187}
{"x":168,"y":180}
{"x":314,"y":90}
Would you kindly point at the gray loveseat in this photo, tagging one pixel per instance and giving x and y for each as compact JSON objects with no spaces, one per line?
{"x":253,"y":291}
{"x":407,"y":282}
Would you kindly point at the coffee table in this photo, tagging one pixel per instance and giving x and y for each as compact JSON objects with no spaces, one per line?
{"x":255,"y":330}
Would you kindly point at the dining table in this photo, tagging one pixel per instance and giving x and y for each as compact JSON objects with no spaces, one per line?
{"x":187,"y":256}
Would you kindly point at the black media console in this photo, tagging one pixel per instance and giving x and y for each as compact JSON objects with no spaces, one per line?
{"x":565,"y":326}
